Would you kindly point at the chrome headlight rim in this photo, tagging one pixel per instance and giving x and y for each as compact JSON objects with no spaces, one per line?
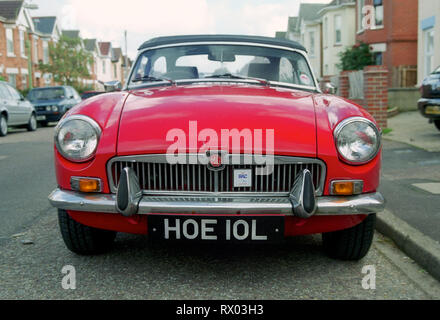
{"x":371,"y":124}
{"x":95,"y":126}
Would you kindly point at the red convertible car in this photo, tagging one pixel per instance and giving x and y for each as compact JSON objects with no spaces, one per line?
{"x":218,"y":138}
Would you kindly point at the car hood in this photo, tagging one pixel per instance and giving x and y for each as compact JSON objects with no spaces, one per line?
{"x":43,"y":103}
{"x":431,"y":86}
{"x":150,"y":115}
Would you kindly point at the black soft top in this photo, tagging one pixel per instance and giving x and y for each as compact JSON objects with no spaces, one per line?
{"x":160,"y":41}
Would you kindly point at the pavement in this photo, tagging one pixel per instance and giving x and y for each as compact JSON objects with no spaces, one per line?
{"x":411,"y":185}
{"x":413,"y":129}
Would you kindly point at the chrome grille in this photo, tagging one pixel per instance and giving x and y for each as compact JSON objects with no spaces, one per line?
{"x":157,"y":176}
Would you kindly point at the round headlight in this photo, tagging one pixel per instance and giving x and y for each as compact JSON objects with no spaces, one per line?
{"x":77,"y":137}
{"x":54,"y":108}
{"x":357,"y":140}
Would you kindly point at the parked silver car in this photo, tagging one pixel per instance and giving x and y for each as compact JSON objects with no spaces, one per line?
{"x":15,"y":111}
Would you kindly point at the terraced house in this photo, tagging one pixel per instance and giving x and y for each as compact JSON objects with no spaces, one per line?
{"x":24,"y":42}
{"x":47,"y":31}
{"x":16,"y":27}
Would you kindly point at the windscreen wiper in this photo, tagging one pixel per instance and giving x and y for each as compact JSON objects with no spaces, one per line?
{"x":150,"y":78}
{"x":233,"y":76}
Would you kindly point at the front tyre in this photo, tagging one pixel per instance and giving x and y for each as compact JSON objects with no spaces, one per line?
{"x":352,"y":243}
{"x":437,"y":124}
{"x":32,"y":124}
{"x":3,"y":125}
{"x":82,"y":239}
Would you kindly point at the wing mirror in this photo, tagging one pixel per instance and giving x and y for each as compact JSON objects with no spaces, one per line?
{"x":329,"y":88}
{"x":111,"y":86}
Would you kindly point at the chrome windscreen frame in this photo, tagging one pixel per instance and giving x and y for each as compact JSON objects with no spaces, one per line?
{"x":232,"y":159}
{"x":272,"y":83}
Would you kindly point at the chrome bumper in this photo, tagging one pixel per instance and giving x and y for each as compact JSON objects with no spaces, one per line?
{"x":106,"y":203}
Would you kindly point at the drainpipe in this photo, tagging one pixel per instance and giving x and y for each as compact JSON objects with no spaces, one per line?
{"x":29,"y":55}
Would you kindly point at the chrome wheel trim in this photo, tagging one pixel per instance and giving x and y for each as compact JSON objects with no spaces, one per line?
{"x":3,"y":125}
{"x":33,"y":122}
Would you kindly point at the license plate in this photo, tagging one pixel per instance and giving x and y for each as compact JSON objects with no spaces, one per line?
{"x":222,"y":229}
{"x":41,"y":118}
{"x":432,"y":110}
{"x":242,"y":178}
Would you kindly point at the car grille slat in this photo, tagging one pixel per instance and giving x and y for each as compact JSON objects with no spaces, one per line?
{"x":157,"y":176}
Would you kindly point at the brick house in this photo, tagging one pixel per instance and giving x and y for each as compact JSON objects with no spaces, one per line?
{"x":126,"y":66}
{"x":105,"y":72}
{"x":117,"y":62}
{"x":392,"y":35}
{"x":91,"y":46}
{"x":46,"y":31}
{"x":15,"y":28}
{"x":310,"y":28}
{"x":2,"y":46}
{"x":338,"y":22}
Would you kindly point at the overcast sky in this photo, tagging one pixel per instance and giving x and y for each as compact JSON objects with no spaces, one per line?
{"x":106,"y":20}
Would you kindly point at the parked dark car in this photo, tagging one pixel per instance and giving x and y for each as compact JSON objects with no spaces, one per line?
{"x":429,"y":104}
{"x":15,"y":110}
{"x":89,"y":94}
{"x":51,"y":103}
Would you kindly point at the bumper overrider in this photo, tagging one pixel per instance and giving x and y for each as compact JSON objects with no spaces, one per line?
{"x":301,"y":202}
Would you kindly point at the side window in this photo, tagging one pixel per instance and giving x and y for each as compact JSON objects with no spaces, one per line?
{"x":4,"y":92}
{"x":141,"y":69}
{"x":68,"y":92}
{"x":14,"y":94}
{"x":304,"y":75}
{"x":286,"y":71}
{"x":159,"y":67}
{"x":75,"y":94}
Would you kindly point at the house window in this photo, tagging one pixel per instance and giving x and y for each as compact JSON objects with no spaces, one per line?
{"x":10,"y":42}
{"x":378,"y":13}
{"x":22,"y":45}
{"x":338,"y":29}
{"x":12,"y":80}
{"x":312,"y":43}
{"x":325,"y":28}
{"x":103,"y":66}
{"x":115,"y":71}
{"x":378,"y":58}
{"x":45,"y":52}
{"x":429,"y":50}
{"x":35,"y":50}
{"x":361,"y":4}
{"x":24,"y":82}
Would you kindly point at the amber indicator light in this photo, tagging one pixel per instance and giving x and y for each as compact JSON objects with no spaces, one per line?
{"x":344,"y":188}
{"x":89,"y":185}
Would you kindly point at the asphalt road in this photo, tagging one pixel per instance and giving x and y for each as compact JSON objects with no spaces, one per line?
{"x":138,"y":269}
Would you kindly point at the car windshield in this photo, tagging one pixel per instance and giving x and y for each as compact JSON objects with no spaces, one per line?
{"x":437,"y":70}
{"x":218,"y":61}
{"x":46,"y":94}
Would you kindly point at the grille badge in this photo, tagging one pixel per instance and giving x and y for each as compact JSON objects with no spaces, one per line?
{"x":217,"y":160}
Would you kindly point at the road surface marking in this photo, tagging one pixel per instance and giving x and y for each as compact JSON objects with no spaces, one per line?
{"x":433,"y":188}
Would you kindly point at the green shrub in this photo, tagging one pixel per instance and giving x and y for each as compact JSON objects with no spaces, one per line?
{"x":356,"y":58}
